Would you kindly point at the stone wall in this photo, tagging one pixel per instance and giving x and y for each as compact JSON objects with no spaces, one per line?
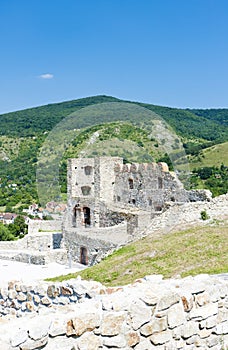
{"x":97,"y":242}
{"x":152,"y":313}
{"x":36,"y":226}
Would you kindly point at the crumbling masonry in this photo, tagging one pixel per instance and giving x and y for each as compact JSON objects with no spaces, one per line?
{"x":109,"y":203}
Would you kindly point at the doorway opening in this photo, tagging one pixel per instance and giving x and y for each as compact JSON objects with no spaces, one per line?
{"x":86,"y":212}
{"x":83,"y":256}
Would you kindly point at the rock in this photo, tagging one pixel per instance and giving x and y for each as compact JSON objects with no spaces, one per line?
{"x":144,"y":344}
{"x":21,"y":296}
{"x":176,"y":316}
{"x":161,"y":337}
{"x":201,"y":313}
{"x":34,"y":344}
{"x":19,"y":338}
{"x":117,"y":341}
{"x":12,"y":294}
{"x":202,"y":299}
{"x":132,"y":338}
{"x":221,"y":328}
{"x":40,"y":330}
{"x":66,"y":290}
{"x":156,"y":325}
{"x":41,"y":290}
{"x":45,"y":301}
{"x":187,"y":301}
{"x":167,"y":300}
{"x":112,"y":323}
{"x":84,"y":322}
{"x":189,"y":329}
{"x":36,"y":299}
{"x":139,"y":313}
{"x":149,"y":298}
{"x":58,"y":327}
{"x":89,"y":341}
{"x":53,"y":291}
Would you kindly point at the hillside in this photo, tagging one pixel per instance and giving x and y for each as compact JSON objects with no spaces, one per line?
{"x":179,"y":242}
{"x":181,"y":253}
{"x":23,"y":133}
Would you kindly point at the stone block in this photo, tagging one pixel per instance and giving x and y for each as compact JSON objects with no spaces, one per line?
{"x":193,"y":340}
{"x":19,"y":338}
{"x":189,"y":329}
{"x":212,"y":341}
{"x":89,"y":341}
{"x":161,"y":337}
{"x":167,"y":300}
{"x":132,"y":338}
{"x":45,"y":301}
{"x":29,"y":306}
{"x":201,"y":313}
{"x":139,"y":313}
{"x":176,"y":315}
{"x":34,"y":344}
{"x":221,"y":328}
{"x":66,"y":290}
{"x":117,"y":341}
{"x":12,"y":294}
{"x":156,"y":325}
{"x":149,"y":298}
{"x":36,"y":299}
{"x":39,"y":330}
{"x":41,"y":290}
{"x":222,"y":315}
{"x":112,"y":323}
{"x":187,"y":301}
{"x":84,"y":322}
{"x":21,"y":296}
{"x":58,"y":327}
{"x":211,"y":322}
{"x":53,"y":291}
{"x":4,"y":293}
{"x":202,"y":299}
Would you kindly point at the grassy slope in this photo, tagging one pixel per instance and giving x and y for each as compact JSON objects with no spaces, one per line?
{"x":190,"y":252}
{"x":211,"y":156}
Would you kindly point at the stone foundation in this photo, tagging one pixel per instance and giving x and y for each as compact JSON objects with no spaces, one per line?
{"x":152,"y":313}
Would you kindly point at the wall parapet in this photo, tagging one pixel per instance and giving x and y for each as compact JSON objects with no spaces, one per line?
{"x":152,"y":313}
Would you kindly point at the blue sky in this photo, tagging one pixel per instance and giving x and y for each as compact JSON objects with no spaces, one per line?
{"x":165,"y":52}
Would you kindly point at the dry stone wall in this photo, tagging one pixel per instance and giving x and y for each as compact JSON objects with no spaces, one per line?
{"x":152,"y":313}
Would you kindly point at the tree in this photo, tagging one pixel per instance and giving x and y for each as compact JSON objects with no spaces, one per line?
{"x":19,"y":227}
{"x":5,"y":234}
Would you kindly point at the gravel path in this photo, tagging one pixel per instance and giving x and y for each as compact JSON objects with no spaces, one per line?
{"x":12,"y":270}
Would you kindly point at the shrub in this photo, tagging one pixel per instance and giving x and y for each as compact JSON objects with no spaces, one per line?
{"x":204,"y":215}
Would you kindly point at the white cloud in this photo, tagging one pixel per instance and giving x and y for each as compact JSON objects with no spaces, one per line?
{"x":46,"y":76}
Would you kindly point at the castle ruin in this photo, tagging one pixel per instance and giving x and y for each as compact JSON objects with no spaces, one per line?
{"x":109,"y":203}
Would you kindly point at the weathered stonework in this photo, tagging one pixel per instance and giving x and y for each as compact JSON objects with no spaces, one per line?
{"x":109,"y":203}
{"x":120,"y":317}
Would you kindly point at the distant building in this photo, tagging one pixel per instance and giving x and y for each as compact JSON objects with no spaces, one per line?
{"x":7,"y":218}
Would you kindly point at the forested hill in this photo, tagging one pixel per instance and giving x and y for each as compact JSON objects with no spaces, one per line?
{"x":203,"y":134}
{"x":208,"y":124}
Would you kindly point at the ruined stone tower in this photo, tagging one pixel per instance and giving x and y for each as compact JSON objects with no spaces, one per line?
{"x":109,"y":202}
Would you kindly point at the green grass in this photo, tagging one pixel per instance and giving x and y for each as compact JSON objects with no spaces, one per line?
{"x":211,"y":156}
{"x":190,"y":252}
